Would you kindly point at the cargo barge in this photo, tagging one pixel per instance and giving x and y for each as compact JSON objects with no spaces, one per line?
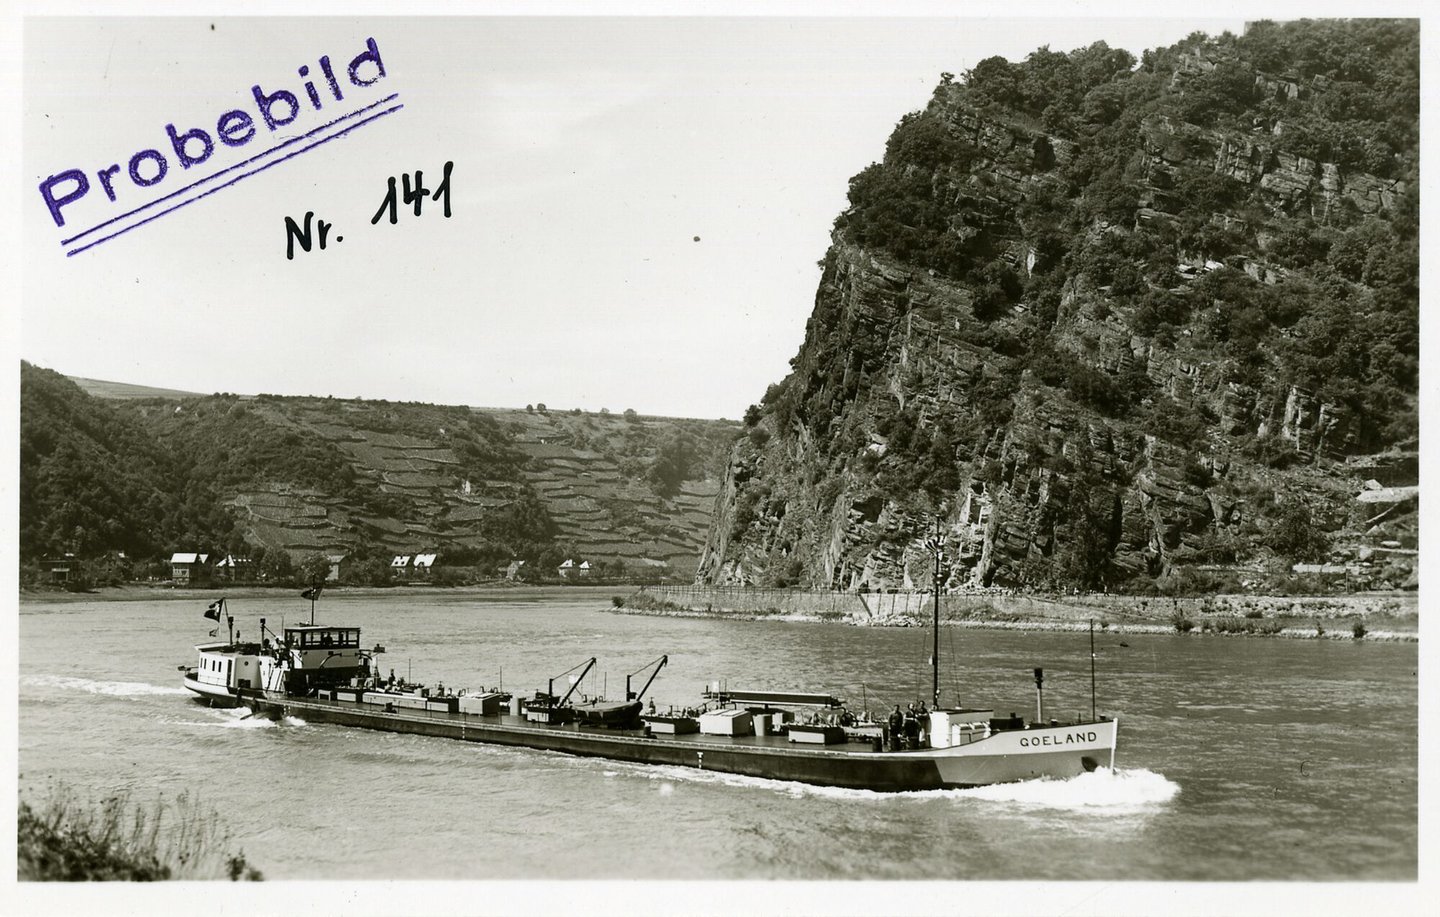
{"x":321,"y":674}
{"x":824,"y":754}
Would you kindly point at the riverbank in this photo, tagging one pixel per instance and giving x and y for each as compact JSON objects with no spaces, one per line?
{"x":67,"y":839}
{"x":144,"y":593}
{"x":1378,"y":617}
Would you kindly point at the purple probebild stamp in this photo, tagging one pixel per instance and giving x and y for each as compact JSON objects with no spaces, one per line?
{"x":333,"y":98}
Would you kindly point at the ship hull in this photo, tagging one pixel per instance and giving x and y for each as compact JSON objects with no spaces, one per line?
{"x":212,"y":694}
{"x":1006,"y":756}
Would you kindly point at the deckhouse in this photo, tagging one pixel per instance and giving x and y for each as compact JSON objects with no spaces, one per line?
{"x":225,"y":668}
{"x":322,"y":655}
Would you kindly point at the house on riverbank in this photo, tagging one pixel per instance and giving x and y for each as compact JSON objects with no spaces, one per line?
{"x":61,"y":569}
{"x":189,"y":567}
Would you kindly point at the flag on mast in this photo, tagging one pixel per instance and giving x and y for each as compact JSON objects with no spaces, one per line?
{"x":213,"y":612}
{"x":312,"y":593}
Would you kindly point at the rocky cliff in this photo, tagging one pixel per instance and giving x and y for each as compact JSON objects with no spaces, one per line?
{"x":1113,"y":323}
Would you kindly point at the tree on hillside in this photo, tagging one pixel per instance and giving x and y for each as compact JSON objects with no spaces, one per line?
{"x":524,"y":524}
{"x":369,"y":571}
{"x":314,"y":568}
{"x":274,"y":566}
{"x":1090,"y":520}
{"x":1295,"y":535}
{"x":672,"y":464}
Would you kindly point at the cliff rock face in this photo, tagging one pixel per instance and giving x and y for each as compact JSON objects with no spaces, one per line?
{"x":1101,"y":349}
{"x":1292,"y":182}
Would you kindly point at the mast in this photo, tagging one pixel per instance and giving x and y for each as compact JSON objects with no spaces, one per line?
{"x":935,"y":648}
{"x":938,"y":545}
{"x":312,"y":594}
{"x":1092,"y":670}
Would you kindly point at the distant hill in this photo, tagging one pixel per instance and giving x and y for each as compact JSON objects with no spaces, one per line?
{"x":155,"y":473}
{"x":100,"y":388}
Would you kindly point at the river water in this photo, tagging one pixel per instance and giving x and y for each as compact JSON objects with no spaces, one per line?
{"x":1239,"y":759}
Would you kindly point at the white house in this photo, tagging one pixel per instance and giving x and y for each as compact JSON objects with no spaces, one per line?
{"x":189,"y":567}
{"x":232,"y":567}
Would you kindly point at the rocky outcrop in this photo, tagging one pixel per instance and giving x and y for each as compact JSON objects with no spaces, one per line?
{"x":792,"y":510}
{"x":795,"y":511}
{"x":1053,"y":442}
{"x":1292,"y":183}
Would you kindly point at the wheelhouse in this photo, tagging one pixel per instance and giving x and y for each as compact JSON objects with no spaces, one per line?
{"x":320,"y":655}
{"x":316,"y":637}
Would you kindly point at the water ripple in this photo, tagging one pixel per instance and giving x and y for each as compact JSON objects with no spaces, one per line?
{"x":110,"y":688}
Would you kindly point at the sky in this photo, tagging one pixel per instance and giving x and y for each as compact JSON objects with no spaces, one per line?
{"x":638,"y":204}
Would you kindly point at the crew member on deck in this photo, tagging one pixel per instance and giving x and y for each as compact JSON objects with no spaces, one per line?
{"x":896,"y":724}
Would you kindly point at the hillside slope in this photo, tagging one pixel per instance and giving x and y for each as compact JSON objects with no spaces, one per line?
{"x":229,"y":473}
{"x":1116,"y":325}
{"x":92,"y":478}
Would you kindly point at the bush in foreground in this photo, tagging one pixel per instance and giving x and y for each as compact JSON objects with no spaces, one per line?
{"x":69,"y":841}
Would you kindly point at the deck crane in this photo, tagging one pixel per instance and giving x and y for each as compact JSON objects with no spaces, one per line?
{"x":573,"y":685}
{"x":658,"y":663}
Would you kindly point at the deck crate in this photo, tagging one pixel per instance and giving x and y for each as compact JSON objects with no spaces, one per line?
{"x":672,"y":725}
{"x":816,"y":735}
{"x":727,"y":723}
{"x":482,"y":704}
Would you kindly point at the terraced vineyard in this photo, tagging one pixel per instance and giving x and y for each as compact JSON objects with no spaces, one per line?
{"x":309,"y":475}
{"x":586,"y":477}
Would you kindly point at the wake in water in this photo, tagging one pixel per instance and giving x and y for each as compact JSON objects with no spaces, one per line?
{"x":229,"y":718}
{"x":1103,"y":789}
{"x":240,"y":718}
{"x":110,"y":688}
